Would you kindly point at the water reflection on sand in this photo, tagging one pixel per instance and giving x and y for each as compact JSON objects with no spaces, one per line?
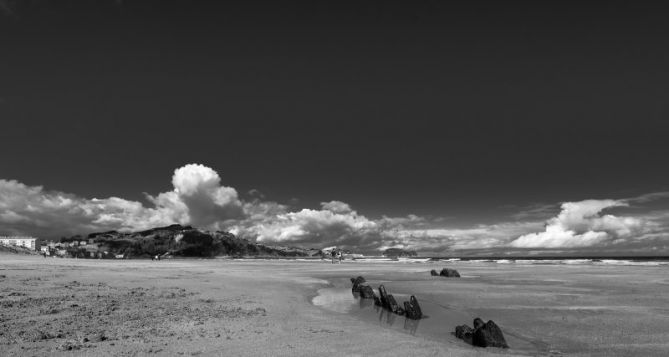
{"x":438,"y":323}
{"x":342,"y":300}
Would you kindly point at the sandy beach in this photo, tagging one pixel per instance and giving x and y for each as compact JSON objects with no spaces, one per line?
{"x":298,"y":308}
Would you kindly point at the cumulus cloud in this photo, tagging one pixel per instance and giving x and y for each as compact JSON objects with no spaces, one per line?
{"x":336,"y":223}
{"x":199,"y":198}
{"x":199,"y":188}
{"x":32,"y":210}
{"x":582,"y":224}
{"x":336,"y":207}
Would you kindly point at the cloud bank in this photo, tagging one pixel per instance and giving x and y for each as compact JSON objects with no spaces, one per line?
{"x":585,"y":224}
{"x":200,"y":199}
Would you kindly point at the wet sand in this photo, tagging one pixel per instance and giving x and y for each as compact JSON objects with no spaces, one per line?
{"x":224,"y":307}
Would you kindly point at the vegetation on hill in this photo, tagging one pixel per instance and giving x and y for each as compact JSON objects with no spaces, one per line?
{"x":397,"y":252}
{"x":175,"y":240}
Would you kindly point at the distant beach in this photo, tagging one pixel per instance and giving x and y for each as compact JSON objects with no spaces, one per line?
{"x":574,"y":307}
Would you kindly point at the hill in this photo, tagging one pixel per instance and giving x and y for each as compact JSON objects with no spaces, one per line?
{"x":397,"y":252}
{"x":175,"y":240}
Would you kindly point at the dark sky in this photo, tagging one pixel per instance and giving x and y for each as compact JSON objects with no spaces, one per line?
{"x":441,"y":108}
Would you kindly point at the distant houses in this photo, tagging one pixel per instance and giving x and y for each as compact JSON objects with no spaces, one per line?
{"x":18,"y":241}
{"x":71,"y":248}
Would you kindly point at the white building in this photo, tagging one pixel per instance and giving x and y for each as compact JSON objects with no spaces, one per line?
{"x":28,"y":242}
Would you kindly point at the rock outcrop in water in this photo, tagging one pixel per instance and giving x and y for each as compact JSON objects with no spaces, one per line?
{"x":387,"y":301}
{"x":449,"y":273}
{"x":360,"y":287}
{"x":412,"y":309}
{"x":465,"y":333}
{"x":366,"y":292}
{"x":393,"y":306}
{"x":489,"y":335}
{"x":357,"y":284}
{"x":486,"y":334}
{"x":383,"y":297}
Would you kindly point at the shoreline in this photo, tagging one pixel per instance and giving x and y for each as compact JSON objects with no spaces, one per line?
{"x":246,"y":306}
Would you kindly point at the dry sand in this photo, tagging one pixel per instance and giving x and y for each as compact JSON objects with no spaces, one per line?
{"x":264,"y":308}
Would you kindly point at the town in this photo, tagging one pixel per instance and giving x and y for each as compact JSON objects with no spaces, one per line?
{"x":84,"y":248}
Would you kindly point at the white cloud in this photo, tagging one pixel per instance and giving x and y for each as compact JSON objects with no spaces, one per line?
{"x":582,"y":224}
{"x":199,"y":188}
{"x":199,"y":198}
{"x":648,"y":197}
{"x":485,"y":236}
{"x":309,"y":226}
{"x":336,"y":207}
{"x":32,"y":210}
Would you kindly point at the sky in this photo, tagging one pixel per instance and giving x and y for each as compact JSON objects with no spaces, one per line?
{"x":454,"y":127}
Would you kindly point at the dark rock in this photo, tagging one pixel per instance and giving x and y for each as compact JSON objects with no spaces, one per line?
{"x":366,"y":292}
{"x":383,"y":296}
{"x":393,"y":305}
{"x":449,"y":273}
{"x":488,"y":335}
{"x":357,"y":283}
{"x":412,"y":309}
{"x":434,"y":272}
{"x":464,"y":332}
{"x":407,"y":310}
{"x":478,"y":323}
{"x":377,"y":301}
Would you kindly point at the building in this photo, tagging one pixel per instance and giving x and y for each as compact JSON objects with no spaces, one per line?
{"x":27,"y":242}
{"x":91,"y":248}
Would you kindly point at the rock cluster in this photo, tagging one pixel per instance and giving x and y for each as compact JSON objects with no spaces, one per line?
{"x":357,"y":284}
{"x":387,"y":301}
{"x":446,"y":272}
{"x":412,"y":309}
{"x":366,"y":292}
{"x":484,"y":334}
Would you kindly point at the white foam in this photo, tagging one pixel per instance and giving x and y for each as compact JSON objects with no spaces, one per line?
{"x":414,"y":260}
{"x":632,"y":263}
{"x":577,"y":261}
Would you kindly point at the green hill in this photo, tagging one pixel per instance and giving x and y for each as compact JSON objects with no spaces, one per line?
{"x":175,"y":240}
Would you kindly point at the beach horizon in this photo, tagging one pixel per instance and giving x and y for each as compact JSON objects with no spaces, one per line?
{"x":299,"y":307}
